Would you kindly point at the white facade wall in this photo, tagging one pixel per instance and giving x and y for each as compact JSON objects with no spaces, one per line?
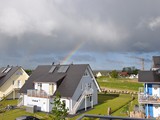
{"x":156,"y":90}
{"x":156,"y":110}
{"x":43,"y":104}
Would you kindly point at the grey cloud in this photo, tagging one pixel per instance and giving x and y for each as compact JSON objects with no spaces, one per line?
{"x":41,"y":27}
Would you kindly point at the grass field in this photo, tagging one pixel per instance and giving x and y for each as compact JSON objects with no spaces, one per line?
{"x":119,"y":83}
{"x":115,"y":101}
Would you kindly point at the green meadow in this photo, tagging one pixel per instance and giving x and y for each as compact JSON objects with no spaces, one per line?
{"x":119,"y":83}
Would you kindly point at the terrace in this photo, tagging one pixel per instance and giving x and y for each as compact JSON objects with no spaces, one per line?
{"x":37,"y":93}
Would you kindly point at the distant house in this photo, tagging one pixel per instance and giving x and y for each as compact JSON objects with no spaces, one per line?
{"x":149,"y":96}
{"x":75,"y":83}
{"x":98,"y":74}
{"x":133,"y":76}
{"x":11,"y":80}
{"x":123,"y":74}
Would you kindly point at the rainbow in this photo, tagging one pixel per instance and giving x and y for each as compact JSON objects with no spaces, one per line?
{"x":68,"y":57}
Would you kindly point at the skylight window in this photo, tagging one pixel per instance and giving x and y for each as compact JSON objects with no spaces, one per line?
{"x":3,"y":70}
{"x":63,"y":69}
{"x":52,"y":69}
{"x":7,"y":70}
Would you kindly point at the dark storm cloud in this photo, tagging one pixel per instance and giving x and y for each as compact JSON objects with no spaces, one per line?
{"x":54,"y":27}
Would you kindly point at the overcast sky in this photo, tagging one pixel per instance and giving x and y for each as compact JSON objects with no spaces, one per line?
{"x":107,"y":34}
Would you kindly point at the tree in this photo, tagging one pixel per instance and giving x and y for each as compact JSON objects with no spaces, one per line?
{"x":29,"y":72}
{"x":3,"y":107}
{"x":114,"y":74}
{"x":59,"y":110}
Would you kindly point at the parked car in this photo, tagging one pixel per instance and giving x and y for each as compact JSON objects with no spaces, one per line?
{"x":27,"y":118}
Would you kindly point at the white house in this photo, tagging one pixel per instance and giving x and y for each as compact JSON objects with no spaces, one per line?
{"x":98,"y":74}
{"x":75,"y":83}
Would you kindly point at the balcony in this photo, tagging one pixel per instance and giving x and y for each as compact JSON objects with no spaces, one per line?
{"x":37,"y":93}
{"x":148,"y":99}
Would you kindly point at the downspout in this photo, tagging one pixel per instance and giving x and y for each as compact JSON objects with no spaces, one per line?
{"x":146,"y":88}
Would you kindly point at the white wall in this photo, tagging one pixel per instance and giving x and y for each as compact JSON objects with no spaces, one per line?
{"x":43,"y":104}
{"x":156,"y":91}
{"x":156,"y":110}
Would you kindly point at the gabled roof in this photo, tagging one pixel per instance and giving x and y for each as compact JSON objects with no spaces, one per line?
{"x":69,"y":79}
{"x":156,"y":61}
{"x":5,"y":76}
{"x":152,"y":76}
{"x":149,"y":76}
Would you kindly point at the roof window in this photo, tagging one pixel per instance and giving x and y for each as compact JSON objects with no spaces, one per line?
{"x":63,"y":69}
{"x":52,"y":69}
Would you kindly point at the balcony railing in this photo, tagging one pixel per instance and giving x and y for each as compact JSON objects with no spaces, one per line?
{"x":145,"y":98}
{"x":37,"y":93}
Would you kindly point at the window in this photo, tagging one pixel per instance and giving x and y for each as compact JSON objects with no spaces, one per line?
{"x":13,"y":82}
{"x":90,"y":98}
{"x":19,"y":84}
{"x":39,"y":86}
{"x":51,"y":88}
{"x":89,"y":85}
{"x":63,"y":69}
{"x":19,"y":73}
{"x":85,"y":74}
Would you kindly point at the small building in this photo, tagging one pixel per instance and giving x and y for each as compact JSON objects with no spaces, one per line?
{"x":149,"y":96}
{"x":133,"y":76}
{"x":123,"y":74}
{"x":75,"y":83}
{"x":11,"y":80}
{"x":98,"y":74}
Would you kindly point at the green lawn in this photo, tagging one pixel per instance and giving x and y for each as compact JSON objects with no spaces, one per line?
{"x":115,"y":101}
{"x":119,"y":83}
{"x":122,"y":111}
